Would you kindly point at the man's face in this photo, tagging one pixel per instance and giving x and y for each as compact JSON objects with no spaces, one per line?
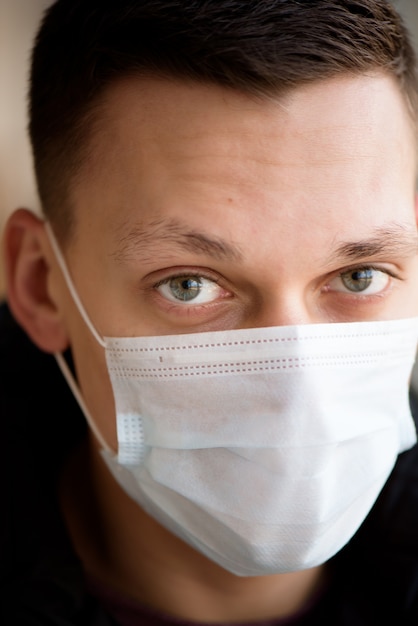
{"x":202,"y":209}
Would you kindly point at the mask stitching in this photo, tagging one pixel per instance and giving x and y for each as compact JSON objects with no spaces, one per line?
{"x":361,"y":335}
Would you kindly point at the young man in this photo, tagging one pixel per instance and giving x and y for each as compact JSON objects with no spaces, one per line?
{"x":227,"y":275}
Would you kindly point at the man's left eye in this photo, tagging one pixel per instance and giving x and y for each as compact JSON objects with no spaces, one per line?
{"x":189,"y":289}
{"x":366,"y":280}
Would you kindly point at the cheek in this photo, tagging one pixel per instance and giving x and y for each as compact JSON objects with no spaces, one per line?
{"x":411,"y":298}
{"x":405,"y":301}
{"x":95,"y":385}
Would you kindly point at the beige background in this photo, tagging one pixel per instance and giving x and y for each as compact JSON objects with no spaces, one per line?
{"x":18,"y":23}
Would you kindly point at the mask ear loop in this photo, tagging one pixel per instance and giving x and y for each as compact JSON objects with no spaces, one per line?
{"x":70,"y":285}
{"x":68,"y":375}
{"x":62,"y":364}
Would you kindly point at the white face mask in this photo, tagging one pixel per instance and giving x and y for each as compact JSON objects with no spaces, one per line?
{"x":266,"y":448}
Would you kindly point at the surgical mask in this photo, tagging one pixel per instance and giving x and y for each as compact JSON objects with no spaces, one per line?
{"x":264,"y":449}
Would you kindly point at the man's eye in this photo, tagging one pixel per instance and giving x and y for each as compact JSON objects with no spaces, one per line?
{"x":185,"y":289}
{"x":365,"y":280}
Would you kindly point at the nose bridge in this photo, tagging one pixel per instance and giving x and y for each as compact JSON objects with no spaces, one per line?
{"x":283,"y":307}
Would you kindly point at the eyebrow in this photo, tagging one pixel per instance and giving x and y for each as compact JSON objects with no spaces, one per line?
{"x":143,"y":240}
{"x":393,"y":240}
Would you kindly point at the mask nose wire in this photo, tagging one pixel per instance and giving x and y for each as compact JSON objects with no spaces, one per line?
{"x":65,"y":370}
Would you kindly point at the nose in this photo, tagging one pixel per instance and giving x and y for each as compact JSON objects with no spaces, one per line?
{"x":283,"y":310}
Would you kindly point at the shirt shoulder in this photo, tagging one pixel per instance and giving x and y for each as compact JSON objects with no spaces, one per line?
{"x":41,"y":579}
{"x":376,"y":574}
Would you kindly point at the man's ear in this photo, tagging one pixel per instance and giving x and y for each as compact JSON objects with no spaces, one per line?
{"x":29,"y":281}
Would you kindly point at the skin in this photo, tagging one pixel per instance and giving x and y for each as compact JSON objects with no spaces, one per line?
{"x":272,"y":203}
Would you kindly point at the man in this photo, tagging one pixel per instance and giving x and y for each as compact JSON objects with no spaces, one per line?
{"x":227,"y":274}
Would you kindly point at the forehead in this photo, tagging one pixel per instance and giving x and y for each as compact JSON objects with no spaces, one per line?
{"x":169,"y":110}
{"x":166,"y":147}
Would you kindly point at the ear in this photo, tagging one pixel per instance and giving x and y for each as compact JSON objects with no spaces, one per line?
{"x":31,"y":290}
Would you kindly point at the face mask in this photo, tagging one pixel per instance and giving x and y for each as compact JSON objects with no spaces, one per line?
{"x":264,"y":449}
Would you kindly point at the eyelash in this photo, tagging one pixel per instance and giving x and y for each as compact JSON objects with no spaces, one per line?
{"x":375,"y":268}
{"x":190,"y":308}
{"x":192,"y":274}
{"x":363,"y":267}
{"x":184,"y":310}
{"x":216,"y":280}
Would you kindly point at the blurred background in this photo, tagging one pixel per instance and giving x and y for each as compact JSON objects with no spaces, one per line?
{"x":19,"y":20}
{"x":18,"y":23}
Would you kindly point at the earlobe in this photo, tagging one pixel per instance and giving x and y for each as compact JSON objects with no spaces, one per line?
{"x":28,"y":282}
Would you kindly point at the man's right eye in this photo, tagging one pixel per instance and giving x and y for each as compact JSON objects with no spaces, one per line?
{"x":189,"y":289}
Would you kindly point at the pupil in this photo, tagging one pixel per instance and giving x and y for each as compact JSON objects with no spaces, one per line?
{"x":363,"y":275}
{"x":185,"y":288}
{"x":359,"y":280}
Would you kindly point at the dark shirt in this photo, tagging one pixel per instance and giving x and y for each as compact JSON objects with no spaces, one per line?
{"x":372,"y":581}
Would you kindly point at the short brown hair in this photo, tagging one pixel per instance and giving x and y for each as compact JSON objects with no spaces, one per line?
{"x":262,"y":47}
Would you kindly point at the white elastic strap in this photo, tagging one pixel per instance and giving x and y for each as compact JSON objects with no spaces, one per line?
{"x":62,"y":364}
{"x":66,"y":372}
{"x":70,"y":285}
